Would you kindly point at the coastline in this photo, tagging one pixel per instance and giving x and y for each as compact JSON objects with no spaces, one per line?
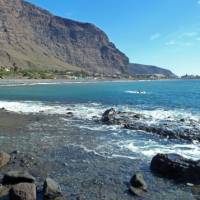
{"x":18,"y":82}
{"x":82,"y":174}
{"x":83,"y":155}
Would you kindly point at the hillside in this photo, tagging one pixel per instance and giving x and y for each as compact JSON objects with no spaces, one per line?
{"x":31,"y":37}
{"x":34,"y":39}
{"x":139,"y":69}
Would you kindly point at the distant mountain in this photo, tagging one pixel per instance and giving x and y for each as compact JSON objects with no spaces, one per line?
{"x":31,"y":37}
{"x":139,"y":69}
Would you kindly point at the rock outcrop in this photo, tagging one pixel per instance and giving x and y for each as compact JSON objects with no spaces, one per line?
{"x":31,"y":37}
{"x":176,"y":167}
{"x":15,"y":177}
{"x":108,"y":116}
{"x":139,"y":122}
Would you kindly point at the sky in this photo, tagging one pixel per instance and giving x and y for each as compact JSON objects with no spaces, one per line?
{"x":165,"y":33}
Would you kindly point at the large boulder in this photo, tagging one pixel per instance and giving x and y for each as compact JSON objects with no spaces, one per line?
{"x":15,"y":177}
{"x":4,"y":159}
{"x":23,"y":191}
{"x":176,"y":167}
{"x":52,"y":190}
{"x":108,"y":116}
{"x":138,"y":185}
{"x":69,"y":114}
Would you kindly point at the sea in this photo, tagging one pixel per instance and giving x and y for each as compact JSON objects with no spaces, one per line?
{"x":160,"y":101}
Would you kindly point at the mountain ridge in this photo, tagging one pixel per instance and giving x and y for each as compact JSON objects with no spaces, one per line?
{"x":141,"y":69}
{"x":33,"y":37}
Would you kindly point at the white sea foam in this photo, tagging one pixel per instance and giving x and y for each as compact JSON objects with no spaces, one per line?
{"x":159,"y":114}
{"x":151,"y":148}
{"x":122,"y":156}
{"x":89,"y":110}
{"x":30,"y":84}
{"x":30,"y":107}
{"x":87,"y":149}
{"x":113,"y":129}
{"x":82,"y":111}
{"x":143,"y":146}
{"x":135,"y":92}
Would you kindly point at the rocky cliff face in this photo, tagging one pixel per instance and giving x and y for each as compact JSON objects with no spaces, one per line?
{"x":32,"y":37}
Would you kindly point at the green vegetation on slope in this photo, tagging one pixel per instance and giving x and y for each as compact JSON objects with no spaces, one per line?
{"x":16,"y":72}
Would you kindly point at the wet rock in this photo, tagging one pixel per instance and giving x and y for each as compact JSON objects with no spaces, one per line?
{"x":15,"y":177}
{"x":112,"y":117}
{"x":69,"y":114}
{"x":23,"y":191}
{"x":4,"y":159}
{"x":52,"y":190}
{"x":138,"y":185}
{"x":137,"y":116}
{"x":108,"y":116}
{"x":164,"y":131}
{"x":165,"y":128}
{"x":176,"y":167}
{"x":15,"y":152}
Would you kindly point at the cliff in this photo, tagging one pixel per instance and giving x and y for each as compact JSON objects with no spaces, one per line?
{"x":31,"y":37}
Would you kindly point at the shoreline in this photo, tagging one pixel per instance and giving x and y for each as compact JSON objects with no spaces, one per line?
{"x":21,"y":82}
{"x":81,"y":154}
{"x":82,"y":174}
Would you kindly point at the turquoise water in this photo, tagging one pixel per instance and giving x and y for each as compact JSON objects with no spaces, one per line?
{"x":153,"y":94}
{"x":159,"y":101}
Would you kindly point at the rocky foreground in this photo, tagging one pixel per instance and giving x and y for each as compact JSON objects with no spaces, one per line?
{"x":85,"y":175}
{"x":21,"y":185}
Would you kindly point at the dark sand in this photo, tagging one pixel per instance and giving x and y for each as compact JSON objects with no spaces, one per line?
{"x":11,"y":122}
{"x":83,"y":175}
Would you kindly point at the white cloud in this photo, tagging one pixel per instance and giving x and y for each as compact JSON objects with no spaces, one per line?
{"x":190,"y":34}
{"x":155,"y":36}
{"x":179,"y":43}
{"x":170,"y":43}
{"x":187,"y":44}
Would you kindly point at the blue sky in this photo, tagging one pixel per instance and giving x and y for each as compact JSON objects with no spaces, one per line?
{"x":165,"y":33}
